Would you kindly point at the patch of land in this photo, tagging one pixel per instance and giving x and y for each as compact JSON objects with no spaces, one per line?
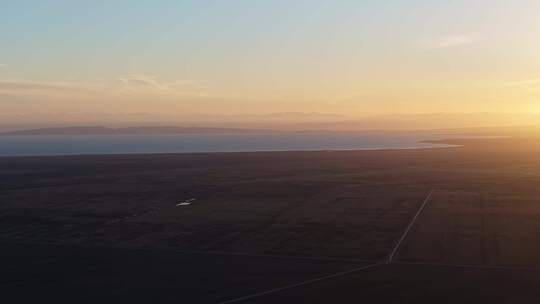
{"x":108,"y":228}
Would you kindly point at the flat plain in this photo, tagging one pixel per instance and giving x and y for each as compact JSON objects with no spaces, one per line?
{"x":108,"y":228}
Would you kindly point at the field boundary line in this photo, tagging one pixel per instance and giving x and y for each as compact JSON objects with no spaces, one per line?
{"x":189,"y":252}
{"x":304,"y":283}
{"x":395,"y":250}
{"x":273,"y":256}
{"x":471,"y":266}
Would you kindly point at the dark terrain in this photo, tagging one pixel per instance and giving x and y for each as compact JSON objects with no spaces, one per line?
{"x":106,"y":229}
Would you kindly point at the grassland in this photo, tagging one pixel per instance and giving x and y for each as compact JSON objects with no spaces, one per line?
{"x":108,"y":228}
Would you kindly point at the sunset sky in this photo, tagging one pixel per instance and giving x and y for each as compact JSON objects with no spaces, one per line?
{"x":351,"y":58}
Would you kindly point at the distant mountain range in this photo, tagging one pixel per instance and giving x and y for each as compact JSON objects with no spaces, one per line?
{"x":98,"y":130}
{"x":163,"y":130}
{"x":273,"y":121}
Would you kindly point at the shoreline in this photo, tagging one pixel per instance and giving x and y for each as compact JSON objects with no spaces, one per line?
{"x":441,"y":145}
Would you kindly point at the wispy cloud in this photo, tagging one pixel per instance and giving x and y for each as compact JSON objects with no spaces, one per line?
{"x":32,"y":85}
{"x":136,"y":84}
{"x":524,"y":82}
{"x":454,"y":40}
{"x":2,"y":65}
{"x":137,"y":93}
{"x":141,"y":82}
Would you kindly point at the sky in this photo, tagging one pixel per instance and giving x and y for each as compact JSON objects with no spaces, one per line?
{"x":255,"y":57}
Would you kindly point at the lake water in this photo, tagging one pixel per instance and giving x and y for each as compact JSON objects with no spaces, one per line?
{"x":189,"y":143}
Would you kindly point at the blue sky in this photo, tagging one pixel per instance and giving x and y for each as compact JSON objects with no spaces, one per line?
{"x":131,"y":35}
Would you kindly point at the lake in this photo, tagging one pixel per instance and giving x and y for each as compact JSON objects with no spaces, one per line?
{"x":189,"y":143}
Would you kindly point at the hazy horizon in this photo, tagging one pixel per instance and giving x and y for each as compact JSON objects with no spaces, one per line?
{"x":278,"y":121}
{"x":375,"y":63}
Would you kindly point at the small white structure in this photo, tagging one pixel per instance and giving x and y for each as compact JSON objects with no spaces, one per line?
{"x":186,"y":202}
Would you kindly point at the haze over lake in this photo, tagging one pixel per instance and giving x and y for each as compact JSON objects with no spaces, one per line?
{"x":30,"y":145}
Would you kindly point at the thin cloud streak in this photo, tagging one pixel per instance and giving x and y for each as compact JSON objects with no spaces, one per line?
{"x":136,"y":82}
{"x":525,"y":82}
{"x":455,"y":40}
{"x":32,"y":85}
{"x":127,"y":85}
